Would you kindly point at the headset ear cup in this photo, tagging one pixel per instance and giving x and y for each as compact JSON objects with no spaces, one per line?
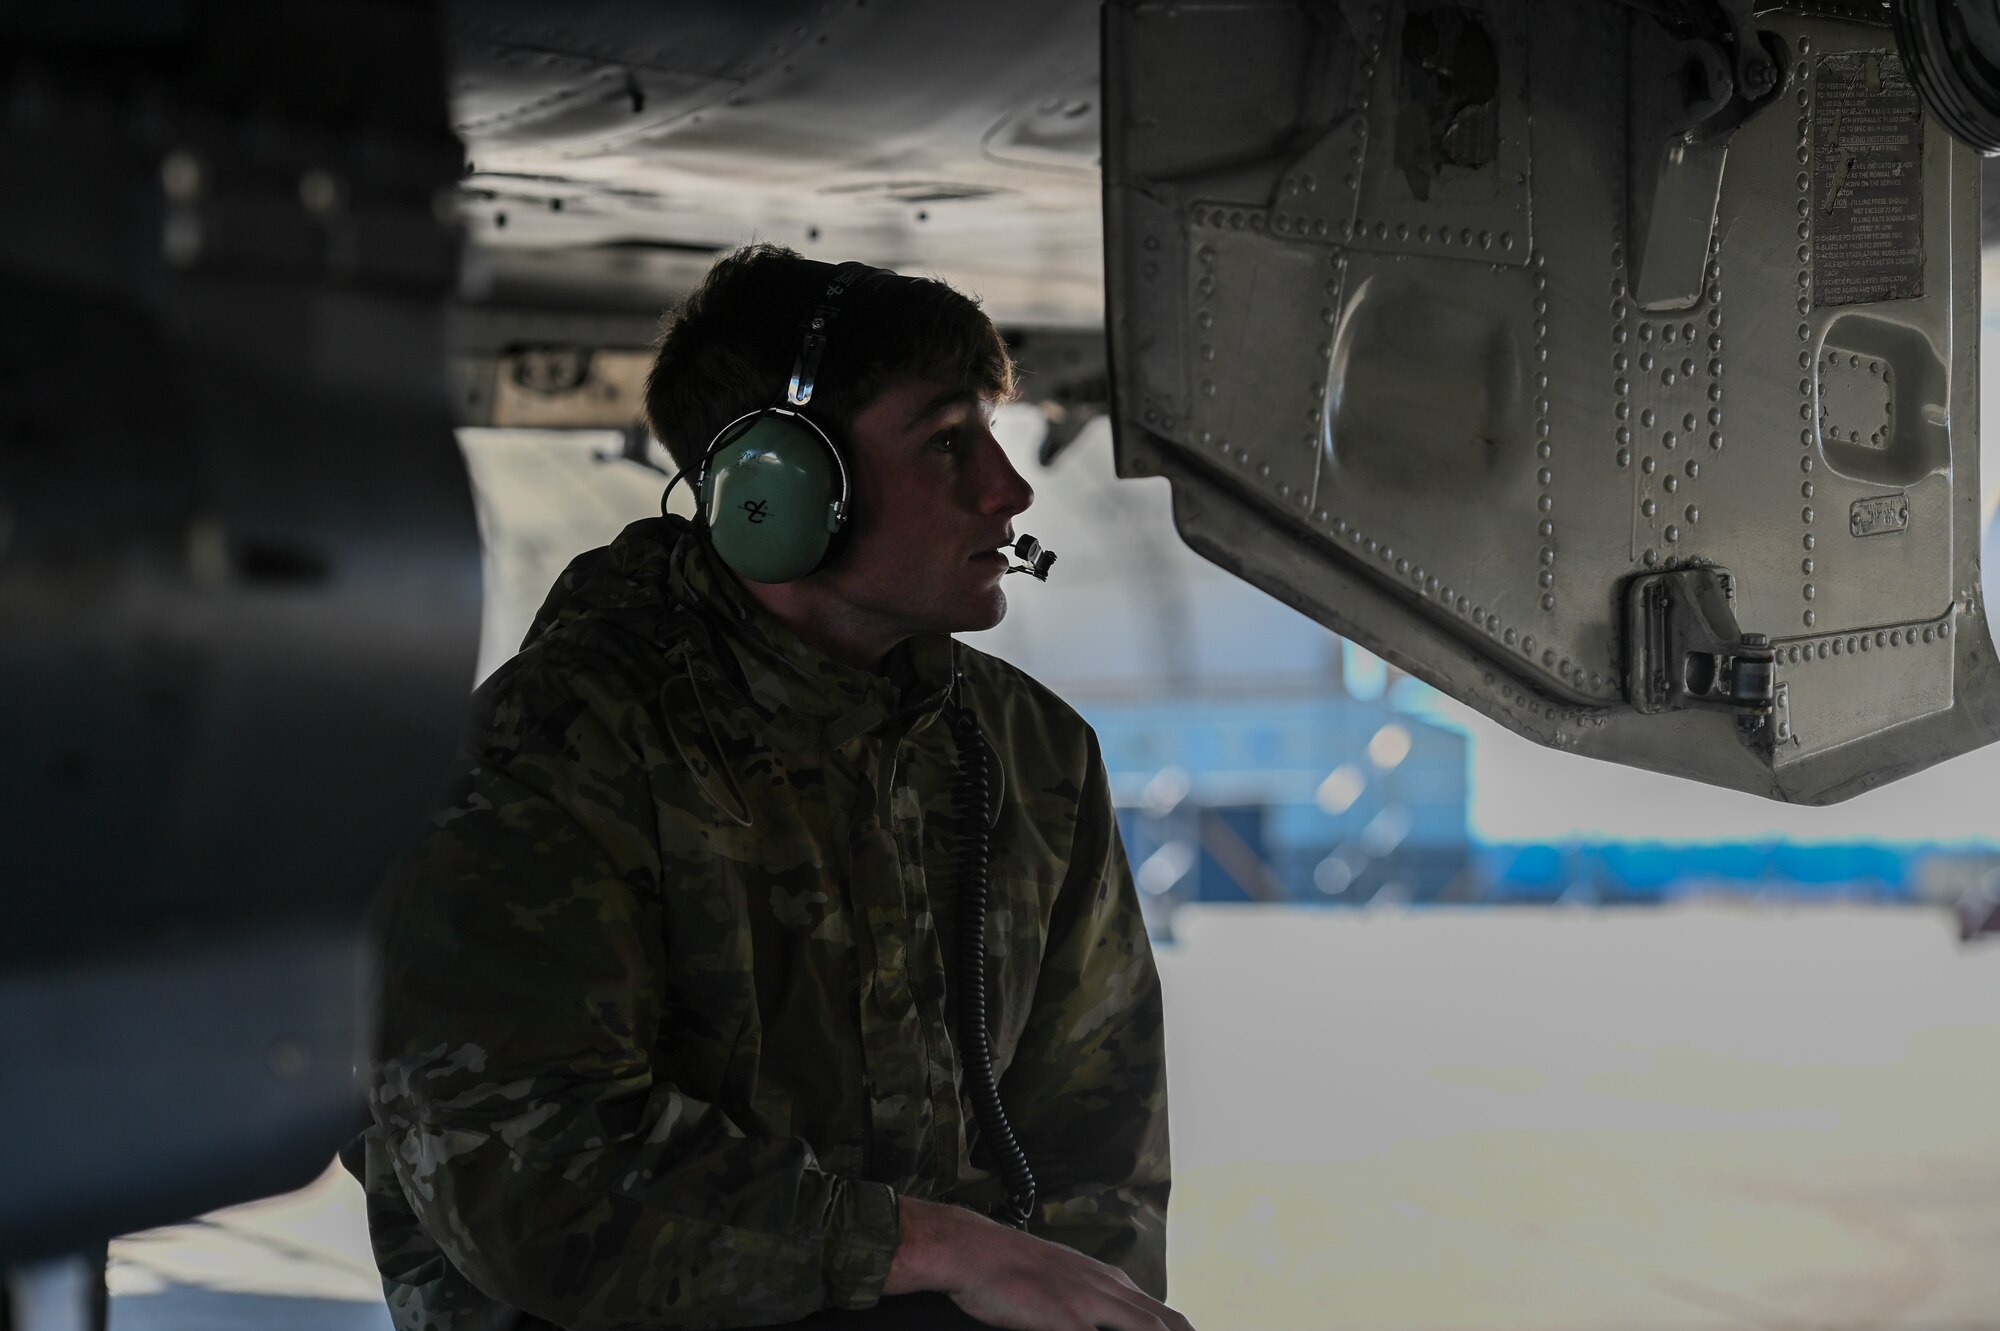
{"x":767,"y":497}
{"x":713,"y":461}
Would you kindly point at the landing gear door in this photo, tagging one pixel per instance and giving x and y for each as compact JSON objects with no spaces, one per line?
{"x":1615,"y":374}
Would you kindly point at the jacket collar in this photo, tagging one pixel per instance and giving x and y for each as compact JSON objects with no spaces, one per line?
{"x":783,"y":674}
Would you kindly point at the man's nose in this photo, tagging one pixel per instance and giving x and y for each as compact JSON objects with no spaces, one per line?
{"x":1002,"y":489}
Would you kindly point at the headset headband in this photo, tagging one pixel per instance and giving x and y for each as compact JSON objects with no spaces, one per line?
{"x":806,"y":368}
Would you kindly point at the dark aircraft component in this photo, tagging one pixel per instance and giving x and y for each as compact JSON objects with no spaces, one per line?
{"x":1461,"y":329}
{"x":238,"y":575}
{"x":1952,"y":48}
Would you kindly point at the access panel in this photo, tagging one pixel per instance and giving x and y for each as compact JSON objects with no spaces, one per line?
{"x":1612,"y":368}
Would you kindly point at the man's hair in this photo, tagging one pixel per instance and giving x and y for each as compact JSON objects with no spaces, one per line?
{"x":730,"y":346}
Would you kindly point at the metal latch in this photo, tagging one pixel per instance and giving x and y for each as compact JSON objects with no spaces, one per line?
{"x":1683,"y":647}
{"x":1694,"y":93}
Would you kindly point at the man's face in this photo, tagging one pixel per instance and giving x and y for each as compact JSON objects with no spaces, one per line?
{"x":934,"y":500}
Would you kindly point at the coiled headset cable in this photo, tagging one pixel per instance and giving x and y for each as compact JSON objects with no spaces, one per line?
{"x":971,"y":797}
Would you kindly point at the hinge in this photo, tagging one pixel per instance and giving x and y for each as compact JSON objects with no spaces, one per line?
{"x":1683,"y":647}
{"x":1692,"y":93}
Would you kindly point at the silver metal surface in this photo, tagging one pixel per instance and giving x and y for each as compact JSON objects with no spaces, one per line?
{"x":1431,"y":410}
{"x":616,"y":149}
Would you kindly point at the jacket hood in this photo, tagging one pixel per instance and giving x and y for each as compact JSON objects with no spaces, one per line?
{"x":659,"y":572}
{"x":621,"y":582}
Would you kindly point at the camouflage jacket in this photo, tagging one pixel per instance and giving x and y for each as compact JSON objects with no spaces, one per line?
{"x":668,"y":1022}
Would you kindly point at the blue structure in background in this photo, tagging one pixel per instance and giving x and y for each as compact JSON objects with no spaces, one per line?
{"x":1317,"y":798}
{"x":1645,"y":874}
{"x":1330,"y":799}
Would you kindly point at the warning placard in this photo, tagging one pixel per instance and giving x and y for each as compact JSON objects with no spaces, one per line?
{"x":1868,"y":181}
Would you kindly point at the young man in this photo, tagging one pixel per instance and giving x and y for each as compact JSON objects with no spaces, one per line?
{"x":669,"y":1011}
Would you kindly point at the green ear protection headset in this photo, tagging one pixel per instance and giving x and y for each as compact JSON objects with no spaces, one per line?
{"x":773,"y":488}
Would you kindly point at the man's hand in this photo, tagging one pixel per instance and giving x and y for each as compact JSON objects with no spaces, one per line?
{"x":1013,"y":1280}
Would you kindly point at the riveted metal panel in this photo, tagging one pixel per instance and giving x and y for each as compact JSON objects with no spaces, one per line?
{"x":1406,"y":382}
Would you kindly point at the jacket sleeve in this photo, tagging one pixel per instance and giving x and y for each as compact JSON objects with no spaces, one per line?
{"x":1086,"y":1090}
{"x":559,"y":1169}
